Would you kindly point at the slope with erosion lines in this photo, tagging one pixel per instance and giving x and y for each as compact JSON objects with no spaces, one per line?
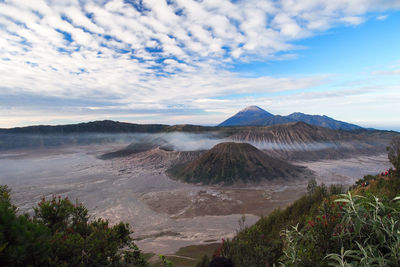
{"x":301,"y":141}
{"x":171,"y":141}
{"x":229,"y":163}
{"x":158,"y":158}
{"x":133,"y":148}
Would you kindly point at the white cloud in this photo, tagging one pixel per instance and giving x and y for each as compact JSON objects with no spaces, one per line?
{"x":387,"y":72}
{"x":382,"y":17}
{"x":163,"y":55}
{"x":352,"y":20}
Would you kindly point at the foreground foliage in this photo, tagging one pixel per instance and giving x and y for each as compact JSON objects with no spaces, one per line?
{"x":260,"y":244}
{"x":349,"y":231}
{"x":327,"y":228}
{"x":394,"y":153}
{"x":61,"y":234}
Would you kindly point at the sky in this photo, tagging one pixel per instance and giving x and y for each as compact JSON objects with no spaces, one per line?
{"x":198,"y":62}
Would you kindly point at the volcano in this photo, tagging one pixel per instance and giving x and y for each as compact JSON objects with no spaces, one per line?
{"x":229,"y":163}
{"x":251,"y":115}
{"x":256,"y":116}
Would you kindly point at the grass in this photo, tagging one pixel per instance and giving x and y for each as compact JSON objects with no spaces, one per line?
{"x":188,"y":256}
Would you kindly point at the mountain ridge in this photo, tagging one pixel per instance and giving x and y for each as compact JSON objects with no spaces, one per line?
{"x":323,"y":121}
{"x":256,"y":116}
{"x":104,"y":126}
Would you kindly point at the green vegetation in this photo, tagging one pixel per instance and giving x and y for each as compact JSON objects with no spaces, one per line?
{"x":327,"y":228}
{"x":349,"y":231}
{"x":190,"y":256}
{"x":261,"y":244}
{"x":394,"y":153}
{"x":324,"y":227}
{"x":60,"y":234}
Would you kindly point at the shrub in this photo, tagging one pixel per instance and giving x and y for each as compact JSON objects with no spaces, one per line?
{"x":260,"y":244}
{"x":394,"y":153}
{"x":204,"y":262}
{"x":61,"y":234}
{"x":350,"y":231}
{"x":22,"y":241}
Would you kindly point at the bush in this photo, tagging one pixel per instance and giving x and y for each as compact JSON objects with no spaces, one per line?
{"x":350,"y":231}
{"x":260,"y":244}
{"x":22,"y":241}
{"x":60,"y":234}
{"x":204,"y":262}
{"x":394,"y":153}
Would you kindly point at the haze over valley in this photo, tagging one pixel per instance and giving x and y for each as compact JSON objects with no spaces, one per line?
{"x":183,"y":185}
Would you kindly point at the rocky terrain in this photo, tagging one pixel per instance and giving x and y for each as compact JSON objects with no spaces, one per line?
{"x":120,"y":174}
{"x":301,"y":141}
{"x":165,"y":214}
{"x":229,"y":163}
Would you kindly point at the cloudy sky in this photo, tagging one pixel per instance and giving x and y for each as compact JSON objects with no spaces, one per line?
{"x":198,"y":62}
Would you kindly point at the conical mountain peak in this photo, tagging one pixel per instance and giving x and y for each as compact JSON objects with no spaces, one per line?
{"x":228,"y":163}
{"x":252,"y":108}
{"x":246,"y":116}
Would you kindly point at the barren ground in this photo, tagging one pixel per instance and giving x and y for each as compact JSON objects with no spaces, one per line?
{"x":165,"y":214}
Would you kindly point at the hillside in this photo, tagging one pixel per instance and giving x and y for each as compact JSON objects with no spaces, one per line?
{"x":277,"y":119}
{"x":289,"y":141}
{"x":323,"y":121}
{"x":130,"y":150}
{"x":96,"y":132}
{"x":323,"y":222}
{"x":301,"y":141}
{"x":106,"y":126}
{"x":228,"y":163}
{"x":297,"y":132}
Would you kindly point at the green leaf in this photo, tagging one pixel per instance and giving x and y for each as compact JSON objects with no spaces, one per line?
{"x":3,"y":246}
{"x":342,"y":200}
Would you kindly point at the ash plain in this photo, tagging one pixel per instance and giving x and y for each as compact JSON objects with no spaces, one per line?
{"x":165,"y":214}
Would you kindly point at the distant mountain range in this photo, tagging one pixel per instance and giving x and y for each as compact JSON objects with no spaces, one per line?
{"x":250,"y":116}
{"x":105,"y":126}
{"x":284,"y":139}
{"x":256,"y":116}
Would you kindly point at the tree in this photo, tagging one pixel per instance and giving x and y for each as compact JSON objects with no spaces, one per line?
{"x":61,"y":234}
{"x":311,"y":186}
{"x":22,"y":241}
{"x":394,"y":153}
